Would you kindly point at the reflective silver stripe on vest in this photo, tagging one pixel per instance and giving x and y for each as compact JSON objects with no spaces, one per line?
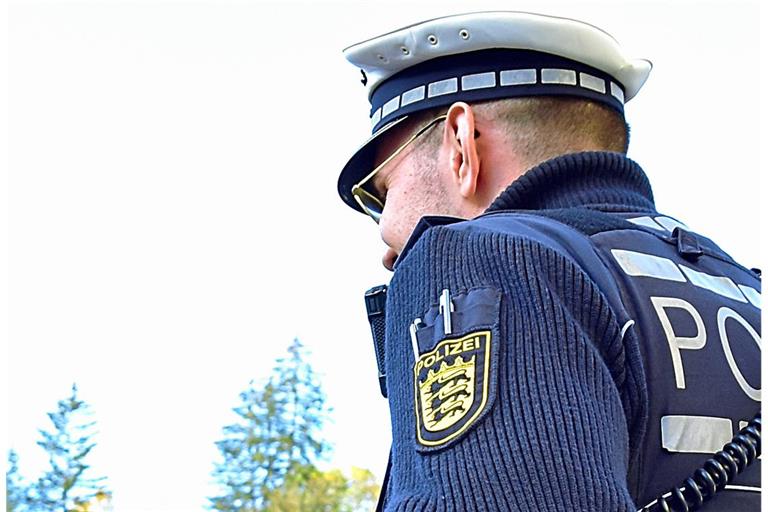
{"x":647,"y":265}
{"x":695,"y":434}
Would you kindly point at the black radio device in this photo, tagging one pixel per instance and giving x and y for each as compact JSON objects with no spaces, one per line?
{"x":375,"y":306}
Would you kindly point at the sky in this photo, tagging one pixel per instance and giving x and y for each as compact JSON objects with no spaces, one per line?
{"x":173,"y":220}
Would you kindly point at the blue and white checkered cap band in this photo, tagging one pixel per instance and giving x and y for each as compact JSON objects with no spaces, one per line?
{"x":487,"y":75}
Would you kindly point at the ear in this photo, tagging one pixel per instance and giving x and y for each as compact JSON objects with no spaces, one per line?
{"x":459,"y":139}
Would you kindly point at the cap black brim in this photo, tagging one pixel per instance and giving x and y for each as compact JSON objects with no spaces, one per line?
{"x":360,"y":164}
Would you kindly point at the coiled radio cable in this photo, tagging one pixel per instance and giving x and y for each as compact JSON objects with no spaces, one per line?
{"x":714,"y":475}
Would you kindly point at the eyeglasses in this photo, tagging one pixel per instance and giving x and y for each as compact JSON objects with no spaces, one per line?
{"x":372,"y":205}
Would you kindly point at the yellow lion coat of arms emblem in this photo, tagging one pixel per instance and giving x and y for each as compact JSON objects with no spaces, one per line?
{"x":451,"y":387}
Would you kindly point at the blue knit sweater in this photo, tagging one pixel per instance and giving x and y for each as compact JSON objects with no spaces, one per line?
{"x":564,"y":403}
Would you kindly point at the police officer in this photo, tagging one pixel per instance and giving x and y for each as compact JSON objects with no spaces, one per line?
{"x":552,"y":342}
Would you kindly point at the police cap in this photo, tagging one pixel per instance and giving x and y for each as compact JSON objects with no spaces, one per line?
{"x":484,"y":56}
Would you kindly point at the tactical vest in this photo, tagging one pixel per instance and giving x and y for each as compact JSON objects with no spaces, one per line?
{"x":694,"y":313}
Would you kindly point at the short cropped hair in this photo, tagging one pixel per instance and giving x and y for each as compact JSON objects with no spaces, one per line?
{"x":539,"y":128}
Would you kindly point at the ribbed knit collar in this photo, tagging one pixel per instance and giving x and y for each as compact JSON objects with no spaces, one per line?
{"x":597,"y":179}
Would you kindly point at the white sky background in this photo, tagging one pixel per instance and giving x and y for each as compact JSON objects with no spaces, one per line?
{"x":174,"y":221}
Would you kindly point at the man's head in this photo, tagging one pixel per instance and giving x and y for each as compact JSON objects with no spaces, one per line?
{"x":462,"y":106}
{"x":461,"y":163}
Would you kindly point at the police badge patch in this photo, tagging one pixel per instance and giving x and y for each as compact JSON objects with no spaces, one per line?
{"x":451,"y":387}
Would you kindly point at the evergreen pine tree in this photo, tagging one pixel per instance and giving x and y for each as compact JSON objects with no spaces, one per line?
{"x":67,"y":485}
{"x":15,"y":488}
{"x":278,"y":430}
{"x":304,"y":412}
